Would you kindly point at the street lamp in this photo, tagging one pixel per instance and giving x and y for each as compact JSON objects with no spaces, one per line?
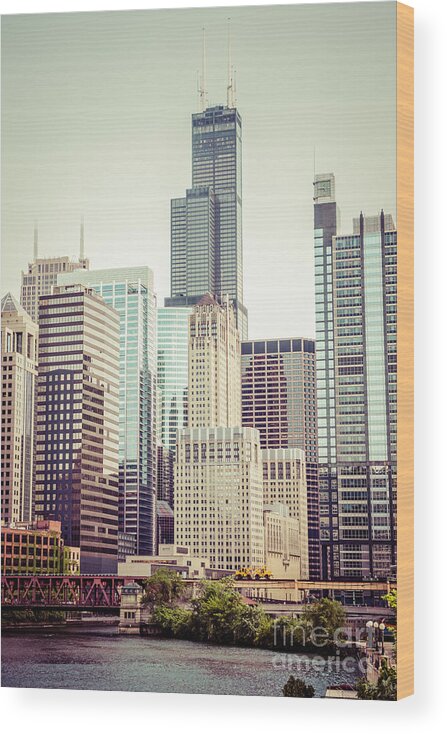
{"x":382,"y":636}
{"x":376,"y":638}
{"x":369,"y":626}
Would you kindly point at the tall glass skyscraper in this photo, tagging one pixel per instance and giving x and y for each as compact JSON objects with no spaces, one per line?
{"x":206,"y":225}
{"x":130,"y":292}
{"x":356,"y":291}
{"x":279,"y":398}
{"x":77,"y":427}
{"x":172,"y":373}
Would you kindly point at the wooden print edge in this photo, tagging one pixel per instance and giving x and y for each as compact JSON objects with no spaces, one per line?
{"x":405,"y":349}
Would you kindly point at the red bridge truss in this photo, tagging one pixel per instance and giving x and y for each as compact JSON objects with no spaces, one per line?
{"x":82,"y":592}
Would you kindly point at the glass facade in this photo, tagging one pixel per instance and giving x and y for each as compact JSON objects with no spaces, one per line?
{"x":216,"y":178}
{"x":130,"y":292}
{"x":355,"y":285}
{"x":279,"y":399}
{"x":172,"y":373}
{"x":76,"y":470}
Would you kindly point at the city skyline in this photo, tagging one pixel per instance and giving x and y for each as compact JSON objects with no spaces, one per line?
{"x":154,"y":163}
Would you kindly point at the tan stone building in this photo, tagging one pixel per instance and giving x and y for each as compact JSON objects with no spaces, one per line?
{"x":214,"y":366}
{"x":283,"y":545}
{"x":284,"y":482}
{"x":40,"y":278}
{"x":219,"y":496}
{"x":19,"y":370}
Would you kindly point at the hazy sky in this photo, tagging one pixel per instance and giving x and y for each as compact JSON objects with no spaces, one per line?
{"x":97,"y":121}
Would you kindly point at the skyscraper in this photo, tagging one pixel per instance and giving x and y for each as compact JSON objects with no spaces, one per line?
{"x":219,"y":496}
{"x":206,"y":225}
{"x":214,"y":366}
{"x":19,"y":370}
{"x":356,"y":387}
{"x":130,"y":291}
{"x":172,"y":373}
{"x":218,"y":493}
{"x":279,"y":398}
{"x":42,"y":274}
{"x":77,"y":422}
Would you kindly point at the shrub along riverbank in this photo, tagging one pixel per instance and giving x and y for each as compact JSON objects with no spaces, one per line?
{"x":220,"y":615}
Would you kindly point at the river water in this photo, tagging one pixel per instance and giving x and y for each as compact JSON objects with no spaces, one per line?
{"x":100,"y":659}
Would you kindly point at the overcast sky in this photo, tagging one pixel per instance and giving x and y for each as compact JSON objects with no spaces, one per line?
{"x":97,"y":121}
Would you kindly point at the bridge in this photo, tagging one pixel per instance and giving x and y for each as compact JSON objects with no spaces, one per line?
{"x":91,"y":592}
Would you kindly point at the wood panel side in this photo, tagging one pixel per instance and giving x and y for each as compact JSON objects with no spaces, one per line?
{"x":405,"y":350}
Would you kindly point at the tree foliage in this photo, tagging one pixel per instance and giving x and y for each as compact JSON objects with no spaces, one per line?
{"x":164,"y":587}
{"x":297,"y":688}
{"x":384,"y":690}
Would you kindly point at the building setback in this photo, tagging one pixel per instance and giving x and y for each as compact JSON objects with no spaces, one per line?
{"x":130,"y":291}
{"x":279,"y":398}
{"x":206,"y":225}
{"x":77,"y":422}
{"x":19,"y":370}
{"x":356,"y":294}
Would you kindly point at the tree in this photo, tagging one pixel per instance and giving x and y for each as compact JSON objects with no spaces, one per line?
{"x":391,"y":598}
{"x":297,"y":688}
{"x":219,"y":614}
{"x":163,"y":587}
{"x":324,"y":618}
{"x":384,"y":690}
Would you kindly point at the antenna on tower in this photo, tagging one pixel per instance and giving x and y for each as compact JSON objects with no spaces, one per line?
{"x":230,"y":87}
{"x":202,"y":88}
{"x":81,"y":241}
{"x":36,"y":241}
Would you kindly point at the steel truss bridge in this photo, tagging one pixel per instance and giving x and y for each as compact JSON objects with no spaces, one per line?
{"x":89,"y":592}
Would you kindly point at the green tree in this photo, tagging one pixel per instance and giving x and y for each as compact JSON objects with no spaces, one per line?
{"x":174,"y":622}
{"x":163,"y":587}
{"x":219,"y":614}
{"x":391,"y":598}
{"x":297,"y":688}
{"x":324,"y":618}
{"x":384,"y":690}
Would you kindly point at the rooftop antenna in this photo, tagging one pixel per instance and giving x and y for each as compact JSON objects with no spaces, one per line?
{"x":202,"y":88}
{"x":230,"y":88}
{"x":36,"y":241}
{"x":81,"y":243}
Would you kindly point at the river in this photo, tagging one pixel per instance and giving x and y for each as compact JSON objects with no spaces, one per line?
{"x":100,"y":659}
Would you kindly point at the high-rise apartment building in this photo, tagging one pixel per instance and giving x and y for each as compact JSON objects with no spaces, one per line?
{"x":130,"y":291}
{"x":19,"y":370}
{"x":279,"y":398}
{"x":219,"y":496}
{"x":283,"y":543}
{"x":356,"y":292}
{"x":172,"y":373}
{"x":284,"y":482}
{"x":42,"y":275}
{"x":77,"y":436}
{"x":206,"y":225}
{"x":214,"y":366}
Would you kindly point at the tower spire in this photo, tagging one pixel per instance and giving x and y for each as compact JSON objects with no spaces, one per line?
{"x":36,"y":241}
{"x":202,"y":88}
{"x":81,"y":240}
{"x":230,"y":85}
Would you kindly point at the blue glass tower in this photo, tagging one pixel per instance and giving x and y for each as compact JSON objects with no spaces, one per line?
{"x":130,"y":292}
{"x":356,"y":294}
